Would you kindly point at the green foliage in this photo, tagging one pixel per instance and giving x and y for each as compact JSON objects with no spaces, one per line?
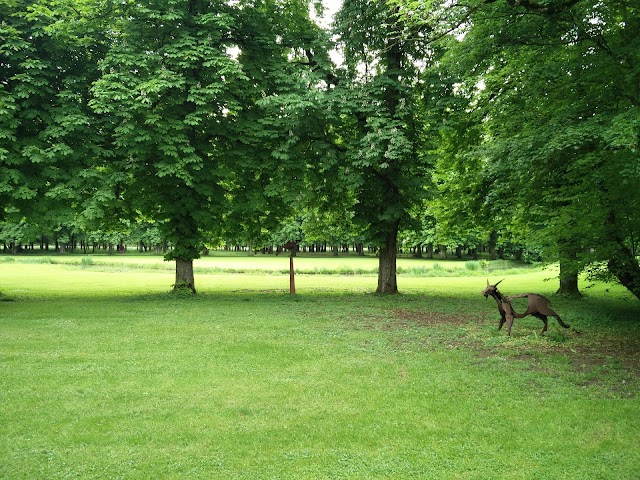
{"x":379,"y":124}
{"x":542,"y":95}
{"x":86,"y":262}
{"x":50,"y":57}
{"x":202,"y":115}
{"x":182,"y":290}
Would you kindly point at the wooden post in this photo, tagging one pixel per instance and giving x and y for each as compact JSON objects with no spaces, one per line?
{"x":291,"y":246}
{"x":292,"y":280}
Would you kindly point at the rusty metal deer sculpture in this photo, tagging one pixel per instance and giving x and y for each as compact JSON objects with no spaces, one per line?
{"x":537,"y":305}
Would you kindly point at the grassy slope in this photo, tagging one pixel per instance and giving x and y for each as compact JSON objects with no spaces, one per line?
{"x":104,"y":375}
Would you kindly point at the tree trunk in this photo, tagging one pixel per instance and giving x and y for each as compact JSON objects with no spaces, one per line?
{"x":569,"y":270}
{"x":387,"y":281}
{"x":292,"y":277}
{"x":184,"y":275}
{"x":568,"y":283}
{"x":493,"y":240}
{"x":624,"y":266}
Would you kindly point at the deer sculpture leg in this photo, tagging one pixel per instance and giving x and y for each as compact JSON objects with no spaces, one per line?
{"x":533,"y":311}
{"x":509,"y":324}
{"x":548,"y":312}
{"x":502,"y":320}
{"x":544,"y":319}
{"x":503,"y":317}
{"x":508,"y":315}
{"x":539,"y":307}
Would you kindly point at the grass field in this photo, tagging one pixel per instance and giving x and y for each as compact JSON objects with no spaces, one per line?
{"x":103,"y":374}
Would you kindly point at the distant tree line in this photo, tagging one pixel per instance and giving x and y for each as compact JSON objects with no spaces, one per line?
{"x":25,"y":238}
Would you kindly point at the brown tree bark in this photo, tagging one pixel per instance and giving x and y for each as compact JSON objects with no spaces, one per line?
{"x":622,"y":263}
{"x":493,"y":241}
{"x":624,"y":266}
{"x":568,"y":284}
{"x":184,"y":275}
{"x":387,"y":281}
{"x":569,"y":270}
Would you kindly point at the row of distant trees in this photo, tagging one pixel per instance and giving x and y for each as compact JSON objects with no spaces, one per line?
{"x":502,"y":121}
{"x":147,"y":238}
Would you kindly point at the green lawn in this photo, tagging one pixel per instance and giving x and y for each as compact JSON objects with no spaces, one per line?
{"x":103,"y":374}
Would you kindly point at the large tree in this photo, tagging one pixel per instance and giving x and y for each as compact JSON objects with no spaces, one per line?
{"x":182,"y":82}
{"x":553,"y":86}
{"x":381,"y":132}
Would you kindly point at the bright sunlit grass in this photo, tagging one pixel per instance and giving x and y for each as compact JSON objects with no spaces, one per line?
{"x":327,"y":264}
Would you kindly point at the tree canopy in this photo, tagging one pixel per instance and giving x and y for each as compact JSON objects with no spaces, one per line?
{"x":554,"y":101}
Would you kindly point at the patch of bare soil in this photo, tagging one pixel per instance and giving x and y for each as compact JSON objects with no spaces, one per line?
{"x":594,"y":358}
{"x":406,"y":319}
{"x":604,"y":351}
{"x":589,"y":354}
{"x":413,"y":318}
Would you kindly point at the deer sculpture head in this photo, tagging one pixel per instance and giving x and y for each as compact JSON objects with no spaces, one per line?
{"x":491,"y":290}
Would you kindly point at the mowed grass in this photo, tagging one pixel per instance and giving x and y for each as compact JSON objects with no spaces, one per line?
{"x":103,"y":374}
